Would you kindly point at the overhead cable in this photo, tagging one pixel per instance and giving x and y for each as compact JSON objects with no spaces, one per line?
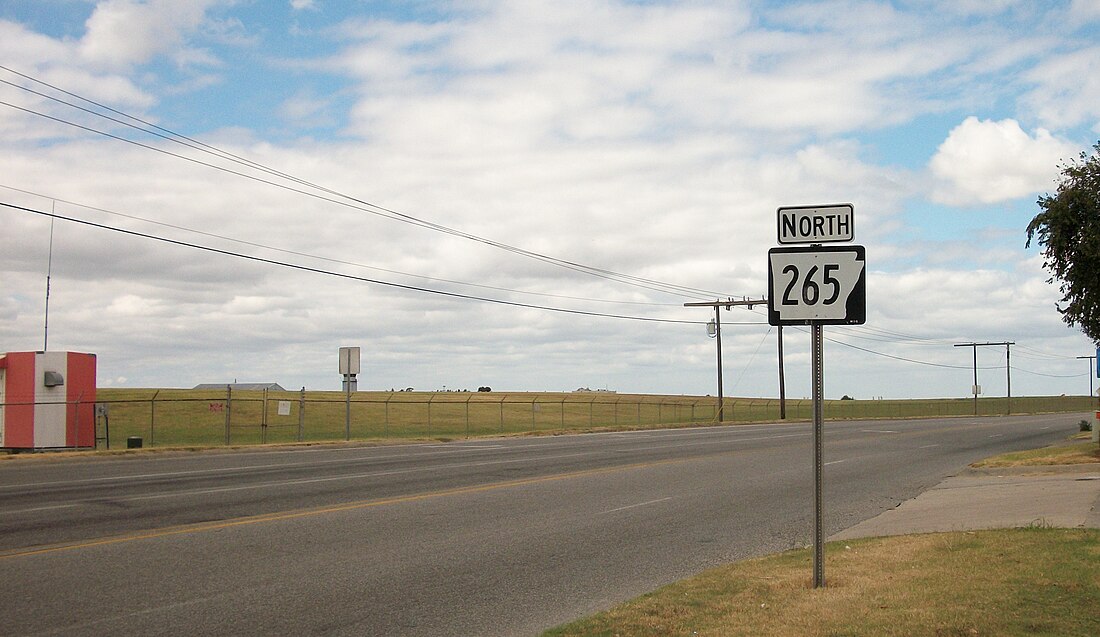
{"x":304,"y":268}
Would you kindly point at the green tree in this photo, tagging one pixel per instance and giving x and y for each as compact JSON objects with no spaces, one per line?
{"x":1068,"y":229}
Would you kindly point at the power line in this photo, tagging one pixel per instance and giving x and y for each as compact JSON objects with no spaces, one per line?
{"x":304,"y":268}
{"x":362,"y":205}
{"x":328,"y":259}
{"x":457,"y":295}
{"x":874,"y":333}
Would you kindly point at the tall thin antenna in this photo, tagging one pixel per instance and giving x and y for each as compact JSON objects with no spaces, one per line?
{"x":49,"y":271}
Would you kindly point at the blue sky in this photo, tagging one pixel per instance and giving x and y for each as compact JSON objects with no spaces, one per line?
{"x":650,"y":139}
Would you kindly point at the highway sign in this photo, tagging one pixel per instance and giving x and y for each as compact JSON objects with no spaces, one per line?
{"x":817,"y":285}
{"x":816,"y":224}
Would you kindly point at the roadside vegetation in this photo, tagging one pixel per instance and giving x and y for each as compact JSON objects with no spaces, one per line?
{"x":1069,"y":453}
{"x":1031,"y":581}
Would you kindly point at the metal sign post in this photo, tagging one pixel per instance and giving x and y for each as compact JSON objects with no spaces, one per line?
{"x":816,"y":285}
{"x":349,"y":368}
{"x":817,"y":338}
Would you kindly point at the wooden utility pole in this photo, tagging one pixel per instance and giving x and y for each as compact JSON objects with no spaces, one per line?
{"x":1008,"y":369}
{"x":728,"y":303}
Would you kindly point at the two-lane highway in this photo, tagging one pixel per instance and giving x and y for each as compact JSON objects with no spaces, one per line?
{"x":487,"y":537}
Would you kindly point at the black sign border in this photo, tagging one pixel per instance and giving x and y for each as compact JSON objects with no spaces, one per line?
{"x":855,"y":310}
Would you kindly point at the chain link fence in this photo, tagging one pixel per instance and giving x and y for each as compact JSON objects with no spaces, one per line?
{"x":173,"y":418}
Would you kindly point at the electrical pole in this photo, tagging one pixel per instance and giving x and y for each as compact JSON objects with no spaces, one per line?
{"x":1008,"y":369}
{"x":49,"y":271}
{"x":728,"y":303}
{"x":1091,"y":368}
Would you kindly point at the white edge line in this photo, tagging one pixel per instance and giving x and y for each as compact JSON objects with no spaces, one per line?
{"x":634,"y":506}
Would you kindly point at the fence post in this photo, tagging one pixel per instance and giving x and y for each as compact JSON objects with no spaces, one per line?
{"x":563,"y":412}
{"x":152,"y":416}
{"x":301,"y":412}
{"x":430,"y":399}
{"x":468,"y":415}
{"x":263,"y":417}
{"x":502,"y":397}
{"x":228,"y":410}
{"x":386,"y":422}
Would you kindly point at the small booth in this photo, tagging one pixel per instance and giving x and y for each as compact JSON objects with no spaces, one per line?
{"x":47,"y":400}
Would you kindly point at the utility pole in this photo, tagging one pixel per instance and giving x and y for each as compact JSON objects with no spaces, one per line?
{"x":1008,"y":369}
{"x":49,"y":271}
{"x":728,"y":303}
{"x":1091,"y":368}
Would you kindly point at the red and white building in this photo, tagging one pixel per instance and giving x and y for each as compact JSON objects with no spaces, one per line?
{"x":47,"y":400}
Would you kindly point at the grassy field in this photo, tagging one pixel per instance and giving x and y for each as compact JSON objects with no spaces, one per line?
{"x":176,"y":417}
{"x":1009,"y":582}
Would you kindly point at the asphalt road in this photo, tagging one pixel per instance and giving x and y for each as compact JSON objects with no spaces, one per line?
{"x":483,"y":537}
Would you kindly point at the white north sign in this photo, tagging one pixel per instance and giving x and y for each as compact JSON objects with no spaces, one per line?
{"x":816,"y":224}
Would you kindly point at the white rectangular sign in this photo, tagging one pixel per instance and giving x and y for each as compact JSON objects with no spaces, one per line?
{"x":816,"y":224}
{"x":349,"y":361}
{"x":817,"y":285}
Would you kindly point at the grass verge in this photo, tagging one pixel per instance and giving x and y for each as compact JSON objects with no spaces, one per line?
{"x":1074,"y":453}
{"x":1031,"y":581}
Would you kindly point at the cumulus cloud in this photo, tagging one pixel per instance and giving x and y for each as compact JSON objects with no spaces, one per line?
{"x":985,"y":161}
{"x":122,"y":33}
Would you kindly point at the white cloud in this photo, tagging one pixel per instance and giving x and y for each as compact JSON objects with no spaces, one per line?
{"x":1085,"y":10}
{"x":301,"y":5}
{"x":1068,"y":89}
{"x":122,"y":33}
{"x":984,"y":161}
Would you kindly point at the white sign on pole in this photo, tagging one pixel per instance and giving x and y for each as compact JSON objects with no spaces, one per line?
{"x":817,"y":285}
{"x":816,"y":224}
{"x":349,"y":361}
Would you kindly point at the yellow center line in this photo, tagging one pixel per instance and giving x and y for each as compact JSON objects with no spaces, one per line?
{"x":348,"y":506}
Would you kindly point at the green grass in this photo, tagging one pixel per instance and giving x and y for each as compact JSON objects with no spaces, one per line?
{"x":1005,"y":583}
{"x":1073,"y":453}
{"x":180,"y":418}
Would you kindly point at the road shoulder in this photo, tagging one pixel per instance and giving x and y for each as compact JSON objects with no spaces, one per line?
{"x":1065,"y":496}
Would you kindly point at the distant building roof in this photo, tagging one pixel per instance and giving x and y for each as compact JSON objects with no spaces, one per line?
{"x":242,"y":386}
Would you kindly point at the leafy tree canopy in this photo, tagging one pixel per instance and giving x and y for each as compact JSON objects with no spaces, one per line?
{"x":1068,"y":229}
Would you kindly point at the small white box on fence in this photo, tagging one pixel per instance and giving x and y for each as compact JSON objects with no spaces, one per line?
{"x":284,"y":407}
